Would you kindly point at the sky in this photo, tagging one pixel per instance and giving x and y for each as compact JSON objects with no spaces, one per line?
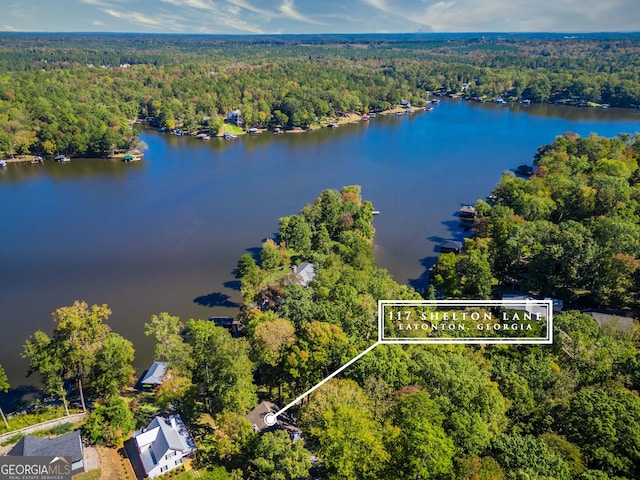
{"x":319,"y":16}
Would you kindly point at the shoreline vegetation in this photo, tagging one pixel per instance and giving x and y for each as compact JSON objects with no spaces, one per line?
{"x":79,"y":95}
{"x":567,"y":411}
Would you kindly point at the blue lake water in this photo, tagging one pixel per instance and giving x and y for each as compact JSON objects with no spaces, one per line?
{"x":165,"y":234}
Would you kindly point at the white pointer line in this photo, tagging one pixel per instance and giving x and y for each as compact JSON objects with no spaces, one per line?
{"x":270,"y":418}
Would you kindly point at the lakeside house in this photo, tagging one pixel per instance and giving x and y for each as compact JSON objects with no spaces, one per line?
{"x":155,"y":375}
{"x":69,"y":445}
{"x":284,"y":421}
{"x":164,"y":445}
{"x":304,"y":273}
{"x":234,"y":118}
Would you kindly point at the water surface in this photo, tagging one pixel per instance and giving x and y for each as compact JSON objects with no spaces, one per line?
{"x":165,"y":234}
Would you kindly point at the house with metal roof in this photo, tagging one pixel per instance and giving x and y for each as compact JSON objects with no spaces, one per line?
{"x":305,"y":273}
{"x":163,"y":445}
{"x":155,"y":374}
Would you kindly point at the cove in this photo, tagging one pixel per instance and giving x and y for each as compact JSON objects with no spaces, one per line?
{"x":165,"y":234}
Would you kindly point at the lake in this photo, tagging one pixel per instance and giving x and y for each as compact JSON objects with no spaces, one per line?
{"x":165,"y":234}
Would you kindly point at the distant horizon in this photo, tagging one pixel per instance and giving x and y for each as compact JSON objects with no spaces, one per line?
{"x":299,"y":17}
{"x":322,"y":34}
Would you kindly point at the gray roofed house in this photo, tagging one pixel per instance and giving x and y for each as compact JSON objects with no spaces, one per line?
{"x":163,"y":444}
{"x":305,"y":273}
{"x":69,"y":445}
{"x":155,"y":374}
{"x":284,"y":422}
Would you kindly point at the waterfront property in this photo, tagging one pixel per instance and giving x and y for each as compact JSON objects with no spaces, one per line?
{"x":164,"y":445}
{"x":155,"y":375}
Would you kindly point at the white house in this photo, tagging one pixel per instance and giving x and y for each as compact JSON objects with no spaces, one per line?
{"x":163,"y":445}
{"x":304,"y":273}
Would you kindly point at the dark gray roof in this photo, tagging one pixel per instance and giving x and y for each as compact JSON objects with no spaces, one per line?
{"x":285,"y":422}
{"x":451,"y":245}
{"x":69,"y":445}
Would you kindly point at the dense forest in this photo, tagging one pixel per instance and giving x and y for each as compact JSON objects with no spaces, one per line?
{"x":570,"y":231}
{"x":79,"y":94}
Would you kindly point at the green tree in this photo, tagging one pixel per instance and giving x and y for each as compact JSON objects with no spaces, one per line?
{"x":275,"y":457}
{"x":222,"y":366}
{"x":229,"y":440}
{"x":71,"y":352}
{"x":170,"y":345}
{"x":340,"y":421}
{"x":422,"y":450}
{"x":110,"y":423}
{"x":113,"y":369}
{"x":605,"y":424}
{"x":446,"y":277}
{"x":524,"y":456}
{"x":296,"y":234}
{"x":473,"y":406}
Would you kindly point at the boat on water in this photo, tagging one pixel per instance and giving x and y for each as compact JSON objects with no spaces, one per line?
{"x":3,"y":163}
{"x":229,"y":136}
{"x":37,"y":160}
{"x":203,"y":136}
{"x":435,"y":101}
{"x":62,"y":158}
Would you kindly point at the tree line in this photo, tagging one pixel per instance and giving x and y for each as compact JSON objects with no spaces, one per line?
{"x":78,"y":94}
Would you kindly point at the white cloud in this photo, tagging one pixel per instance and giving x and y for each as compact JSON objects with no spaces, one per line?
{"x":9,"y":28}
{"x":197,"y":4}
{"x":252,"y":8}
{"x":163,"y":22}
{"x":288,"y":10}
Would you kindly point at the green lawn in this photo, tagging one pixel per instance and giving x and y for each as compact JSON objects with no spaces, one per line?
{"x":234,"y":129}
